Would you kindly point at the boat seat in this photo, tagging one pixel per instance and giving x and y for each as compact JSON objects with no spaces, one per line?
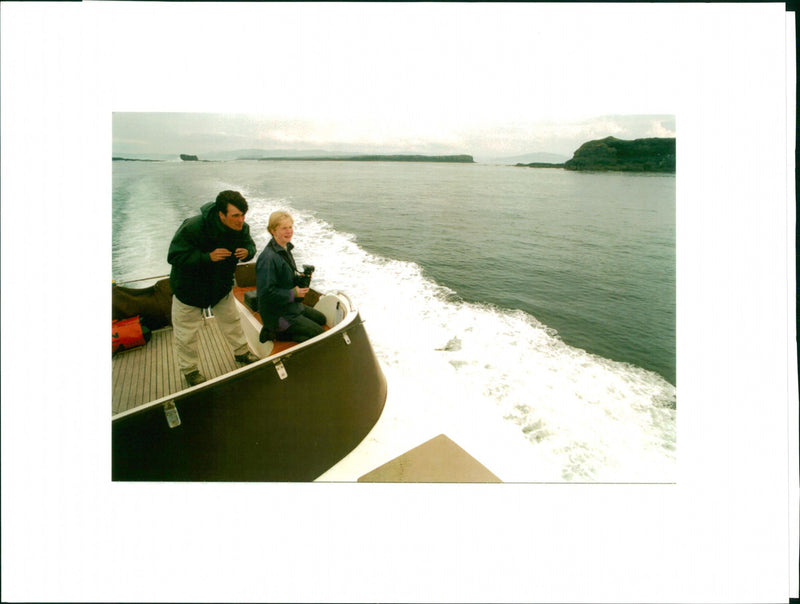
{"x":245,"y":274}
{"x":242,"y":293}
{"x":153,"y":304}
{"x":251,"y":299}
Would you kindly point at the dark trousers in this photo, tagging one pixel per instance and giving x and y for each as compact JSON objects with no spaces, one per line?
{"x":306,"y":326}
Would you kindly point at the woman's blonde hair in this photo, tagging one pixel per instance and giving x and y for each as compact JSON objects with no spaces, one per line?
{"x":276,"y":218}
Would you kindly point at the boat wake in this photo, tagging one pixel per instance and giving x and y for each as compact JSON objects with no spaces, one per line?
{"x":566,"y":414}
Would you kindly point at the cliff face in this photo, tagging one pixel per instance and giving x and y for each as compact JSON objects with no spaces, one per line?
{"x":640,"y":155}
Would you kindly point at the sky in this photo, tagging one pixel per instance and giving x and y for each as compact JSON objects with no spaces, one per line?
{"x":489,"y":80}
{"x":140,"y":134}
{"x":478,"y":78}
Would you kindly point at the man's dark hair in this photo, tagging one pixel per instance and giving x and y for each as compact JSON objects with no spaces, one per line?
{"x":231,"y":197}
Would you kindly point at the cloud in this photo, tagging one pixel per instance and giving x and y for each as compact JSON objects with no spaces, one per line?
{"x":662,"y":129}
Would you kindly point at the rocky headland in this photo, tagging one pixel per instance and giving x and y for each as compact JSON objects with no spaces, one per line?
{"x":640,"y":155}
{"x":614,"y":154}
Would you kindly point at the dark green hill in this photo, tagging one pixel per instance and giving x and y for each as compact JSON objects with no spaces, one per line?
{"x":640,"y":155}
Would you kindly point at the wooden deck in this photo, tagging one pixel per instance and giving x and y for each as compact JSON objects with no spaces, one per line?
{"x":151,"y":372}
{"x":148,"y":373}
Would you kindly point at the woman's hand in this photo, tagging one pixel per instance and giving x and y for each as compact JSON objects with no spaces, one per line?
{"x":300,"y":292}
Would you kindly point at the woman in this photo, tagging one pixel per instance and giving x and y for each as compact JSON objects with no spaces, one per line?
{"x":284,"y":316}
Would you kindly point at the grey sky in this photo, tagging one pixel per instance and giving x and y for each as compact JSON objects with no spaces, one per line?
{"x":173,"y":133}
{"x":486,"y":79}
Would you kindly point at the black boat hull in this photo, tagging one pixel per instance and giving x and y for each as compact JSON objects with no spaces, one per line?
{"x":252,"y":425}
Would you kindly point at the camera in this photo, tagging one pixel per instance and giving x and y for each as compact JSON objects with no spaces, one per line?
{"x":304,"y":279}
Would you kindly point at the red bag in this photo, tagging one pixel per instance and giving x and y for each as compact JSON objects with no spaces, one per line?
{"x":128,"y":333}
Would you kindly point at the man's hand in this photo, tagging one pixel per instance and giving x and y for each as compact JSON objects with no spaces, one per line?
{"x":300,"y":292}
{"x":220,"y":254}
{"x":241,"y":253}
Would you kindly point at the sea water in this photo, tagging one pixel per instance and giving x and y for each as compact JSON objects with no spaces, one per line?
{"x":541,"y":300}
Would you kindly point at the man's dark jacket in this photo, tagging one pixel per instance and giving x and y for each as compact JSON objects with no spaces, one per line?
{"x":195,"y":279}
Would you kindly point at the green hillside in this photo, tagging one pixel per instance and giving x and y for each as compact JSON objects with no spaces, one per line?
{"x":640,"y":155}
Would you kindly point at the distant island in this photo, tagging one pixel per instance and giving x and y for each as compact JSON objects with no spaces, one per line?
{"x":463,"y":159}
{"x":613,"y":154}
{"x":323,"y":156}
{"x":130,"y":159}
{"x":540,"y":164}
{"x":607,"y":154}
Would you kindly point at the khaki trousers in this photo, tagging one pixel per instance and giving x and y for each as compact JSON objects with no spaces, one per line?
{"x":187,"y":321}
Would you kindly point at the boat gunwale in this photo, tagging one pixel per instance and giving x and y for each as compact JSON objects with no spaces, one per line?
{"x":347,"y":322}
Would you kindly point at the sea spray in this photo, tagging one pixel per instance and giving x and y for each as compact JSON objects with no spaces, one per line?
{"x":463,"y":365}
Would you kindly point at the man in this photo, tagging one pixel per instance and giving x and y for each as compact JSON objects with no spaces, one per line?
{"x":203,"y":254}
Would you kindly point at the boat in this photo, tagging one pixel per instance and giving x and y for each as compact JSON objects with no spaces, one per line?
{"x":301,"y":413}
{"x":288,"y":417}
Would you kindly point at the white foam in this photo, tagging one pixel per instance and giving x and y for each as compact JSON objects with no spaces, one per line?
{"x":477,"y":370}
